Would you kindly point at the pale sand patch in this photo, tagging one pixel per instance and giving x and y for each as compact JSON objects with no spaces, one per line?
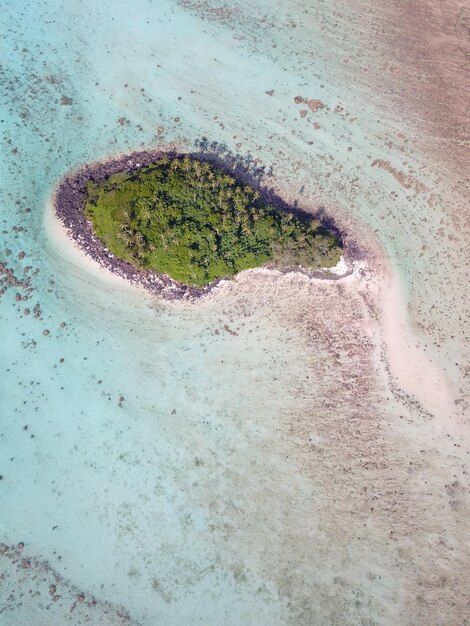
{"x":415,"y":371}
{"x":409,"y":366}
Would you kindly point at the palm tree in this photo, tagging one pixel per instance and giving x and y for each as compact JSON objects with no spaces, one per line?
{"x":186,"y":163}
{"x":197,"y":168}
{"x":124,"y":237}
{"x":212,"y":179}
{"x":222,"y":196}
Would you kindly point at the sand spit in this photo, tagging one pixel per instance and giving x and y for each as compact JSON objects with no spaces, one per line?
{"x":409,"y":367}
{"x":415,"y":372}
{"x":67,"y":205}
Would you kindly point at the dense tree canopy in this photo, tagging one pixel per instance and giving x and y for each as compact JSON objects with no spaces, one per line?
{"x":196,"y":223}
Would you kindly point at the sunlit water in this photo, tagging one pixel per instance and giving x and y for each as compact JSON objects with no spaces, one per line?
{"x":244,"y":460}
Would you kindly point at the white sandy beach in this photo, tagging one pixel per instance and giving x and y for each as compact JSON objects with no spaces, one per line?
{"x":70,"y":250}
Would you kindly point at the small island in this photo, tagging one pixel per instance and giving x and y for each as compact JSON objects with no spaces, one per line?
{"x":184,"y":223}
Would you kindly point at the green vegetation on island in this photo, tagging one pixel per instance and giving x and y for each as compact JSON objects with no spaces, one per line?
{"x":196,"y":223}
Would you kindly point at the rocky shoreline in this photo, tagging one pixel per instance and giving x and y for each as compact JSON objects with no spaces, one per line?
{"x":69,"y":201}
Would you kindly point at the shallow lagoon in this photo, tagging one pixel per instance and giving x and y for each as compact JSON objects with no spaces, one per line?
{"x":261,"y":467}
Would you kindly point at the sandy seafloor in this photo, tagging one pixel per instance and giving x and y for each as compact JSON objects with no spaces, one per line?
{"x":288,"y":451}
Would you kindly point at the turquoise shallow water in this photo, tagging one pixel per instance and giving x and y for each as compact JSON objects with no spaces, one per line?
{"x":240,"y":461}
